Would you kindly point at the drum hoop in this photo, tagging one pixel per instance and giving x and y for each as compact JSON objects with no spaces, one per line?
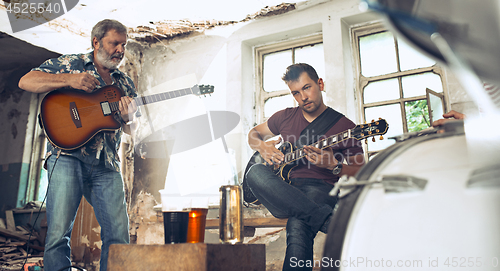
{"x":342,"y":225}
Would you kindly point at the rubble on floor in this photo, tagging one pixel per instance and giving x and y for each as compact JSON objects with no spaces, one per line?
{"x":19,"y":244}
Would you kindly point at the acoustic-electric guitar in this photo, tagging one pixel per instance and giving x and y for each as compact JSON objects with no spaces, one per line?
{"x":70,"y":118}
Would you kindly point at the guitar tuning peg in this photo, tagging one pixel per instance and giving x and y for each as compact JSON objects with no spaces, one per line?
{"x":381,"y":137}
{"x":379,"y":118}
{"x":373,"y":120}
{"x":373,"y":139}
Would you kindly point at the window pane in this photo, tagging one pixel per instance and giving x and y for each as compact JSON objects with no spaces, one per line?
{"x":378,"y":54}
{"x":312,"y":55}
{"x":415,"y":85}
{"x":410,"y":58}
{"x":273,"y":105}
{"x":437,"y":107}
{"x":392,"y":114}
{"x":417,"y":115}
{"x":274,"y":67}
{"x":383,"y":90}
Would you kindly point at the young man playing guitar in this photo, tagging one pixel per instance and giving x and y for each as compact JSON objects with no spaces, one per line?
{"x":91,"y":170}
{"x":305,"y":200}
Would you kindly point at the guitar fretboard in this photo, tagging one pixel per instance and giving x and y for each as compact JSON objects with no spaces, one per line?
{"x":156,"y":97}
{"x":324,"y":143}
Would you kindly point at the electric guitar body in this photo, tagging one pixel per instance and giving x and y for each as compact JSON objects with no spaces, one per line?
{"x":70,"y":118}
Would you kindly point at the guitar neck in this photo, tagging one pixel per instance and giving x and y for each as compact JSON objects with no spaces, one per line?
{"x":324,"y":143}
{"x":157,"y":97}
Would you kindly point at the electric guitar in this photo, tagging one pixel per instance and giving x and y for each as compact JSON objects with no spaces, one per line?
{"x":293,"y":155}
{"x":70,"y":117}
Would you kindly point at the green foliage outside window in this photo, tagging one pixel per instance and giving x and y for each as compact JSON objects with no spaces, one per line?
{"x":417,"y":115}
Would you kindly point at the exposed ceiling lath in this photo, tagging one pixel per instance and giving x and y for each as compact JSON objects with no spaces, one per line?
{"x":170,"y":29}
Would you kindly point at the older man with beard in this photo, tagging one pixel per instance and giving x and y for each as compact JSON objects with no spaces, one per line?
{"x":93,"y":169}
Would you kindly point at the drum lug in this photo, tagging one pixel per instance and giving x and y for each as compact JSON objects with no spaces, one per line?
{"x":402,"y":183}
{"x":485,"y":177}
{"x":347,"y":184}
{"x":391,"y":184}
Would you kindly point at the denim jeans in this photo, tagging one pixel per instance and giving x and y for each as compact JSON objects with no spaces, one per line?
{"x":103,"y":189}
{"x":305,"y":202}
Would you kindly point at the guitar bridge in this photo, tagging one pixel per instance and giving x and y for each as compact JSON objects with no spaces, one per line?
{"x":106,"y":109}
{"x":73,"y":111}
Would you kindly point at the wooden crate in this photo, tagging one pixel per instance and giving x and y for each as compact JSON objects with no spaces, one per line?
{"x":188,"y":257}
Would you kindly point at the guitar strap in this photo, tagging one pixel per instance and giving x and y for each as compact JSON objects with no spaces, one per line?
{"x":318,"y":127}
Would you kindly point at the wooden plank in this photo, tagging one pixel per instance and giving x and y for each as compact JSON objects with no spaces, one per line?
{"x":2,"y":224}
{"x":11,"y":224}
{"x":13,"y":244}
{"x":21,"y":230}
{"x":16,"y":235}
{"x":261,"y":222}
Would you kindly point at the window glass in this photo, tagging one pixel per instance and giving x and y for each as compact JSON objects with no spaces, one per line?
{"x":415,"y":85}
{"x":312,"y":55}
{"x":274,"y":67}
{"x":383,"y":90}
{"x":273,"y":105}
{"x":378,"y":54}
{"x":392,"y":114}
{"x":437,"y":105}
{"x":410,"y":58}
{"x":417,"y":115}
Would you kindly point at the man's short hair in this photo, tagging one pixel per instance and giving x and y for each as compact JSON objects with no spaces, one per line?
{"x":101,"y":28}
{"x":294,"y":71}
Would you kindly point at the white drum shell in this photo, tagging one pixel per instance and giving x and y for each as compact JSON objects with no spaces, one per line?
{"x":447,"y":224}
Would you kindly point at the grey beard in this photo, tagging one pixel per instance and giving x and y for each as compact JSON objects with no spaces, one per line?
{"x":106,"y":61}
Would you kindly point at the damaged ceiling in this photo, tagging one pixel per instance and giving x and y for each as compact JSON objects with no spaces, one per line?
{"x":147,"y":21}
{"x":172,"y":28}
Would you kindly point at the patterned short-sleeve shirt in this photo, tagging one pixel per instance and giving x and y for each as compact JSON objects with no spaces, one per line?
{"x":105,"y":144}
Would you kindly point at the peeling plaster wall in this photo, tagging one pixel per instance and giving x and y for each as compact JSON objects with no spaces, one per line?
{"x":14,"y":110}
{"x":17,"y":58}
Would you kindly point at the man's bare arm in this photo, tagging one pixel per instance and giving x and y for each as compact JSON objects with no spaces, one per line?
{"x":41,"y":82}
{"x":257,"y":140}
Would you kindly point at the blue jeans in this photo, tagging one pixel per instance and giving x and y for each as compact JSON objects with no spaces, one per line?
{"x":305,"y":202}
{"x":103,"y":189}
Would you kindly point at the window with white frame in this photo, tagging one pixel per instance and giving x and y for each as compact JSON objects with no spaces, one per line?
{"x":273,"y":94}
{"x":393,"y":82}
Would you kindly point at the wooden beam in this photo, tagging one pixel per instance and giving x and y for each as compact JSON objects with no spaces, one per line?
{"x":11,"y":224}
{"x":261,"y":222}
{"x":13,"y":234}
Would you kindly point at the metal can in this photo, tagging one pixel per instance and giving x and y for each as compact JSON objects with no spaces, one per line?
{"x":231,"y":214}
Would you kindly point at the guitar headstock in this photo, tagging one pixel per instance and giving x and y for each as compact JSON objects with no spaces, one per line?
{"x":203,"y":89}
{"x":366,"y":130}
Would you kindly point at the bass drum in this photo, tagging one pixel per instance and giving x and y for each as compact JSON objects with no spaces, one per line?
{"x":429,"y":208}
